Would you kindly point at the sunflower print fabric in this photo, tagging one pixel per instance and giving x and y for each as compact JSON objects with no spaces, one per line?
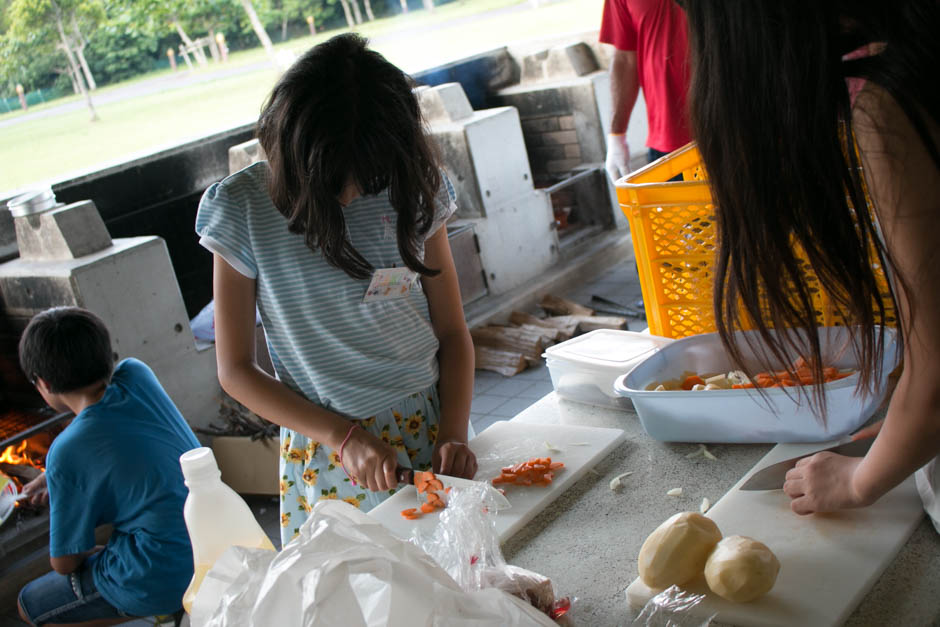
{"x":312,"y":472}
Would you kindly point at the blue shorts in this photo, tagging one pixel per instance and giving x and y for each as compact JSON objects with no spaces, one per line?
{"x":55,"y":598}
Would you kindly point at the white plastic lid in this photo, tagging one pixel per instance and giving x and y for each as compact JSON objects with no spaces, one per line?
{"x":607,"y":348}
{"x":199,"y":463}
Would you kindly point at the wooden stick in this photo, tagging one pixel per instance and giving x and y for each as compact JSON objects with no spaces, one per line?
{"x":512,"y":339}
{"x":565,"y":325}
{"x":592,"y":323}
{"x":558,"y":306}
{"x":505,"y":363}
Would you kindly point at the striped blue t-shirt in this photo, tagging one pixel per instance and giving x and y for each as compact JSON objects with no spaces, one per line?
{"x":351,"y":357}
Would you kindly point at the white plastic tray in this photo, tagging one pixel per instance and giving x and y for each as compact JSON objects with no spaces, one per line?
{"x":584,"y":368}
{"x":779,"y":415}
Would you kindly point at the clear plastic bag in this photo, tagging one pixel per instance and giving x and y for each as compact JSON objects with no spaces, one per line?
{"x":672,"y":608}
{"x":346,"y":569}
{"x":466,"y":545}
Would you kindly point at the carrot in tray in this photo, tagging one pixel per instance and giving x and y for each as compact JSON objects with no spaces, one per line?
{"x":692,"y":381}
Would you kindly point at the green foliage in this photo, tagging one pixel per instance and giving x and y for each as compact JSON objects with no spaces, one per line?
{"x":120,"y":49}
{"x":29,"y":59}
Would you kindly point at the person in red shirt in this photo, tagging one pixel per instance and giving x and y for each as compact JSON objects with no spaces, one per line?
{"x":651,"y":52}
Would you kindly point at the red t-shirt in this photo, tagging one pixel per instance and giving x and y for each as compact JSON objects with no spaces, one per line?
{"x":656,"y":30}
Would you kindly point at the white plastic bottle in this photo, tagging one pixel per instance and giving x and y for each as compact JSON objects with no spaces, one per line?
{"x":216,"y":517}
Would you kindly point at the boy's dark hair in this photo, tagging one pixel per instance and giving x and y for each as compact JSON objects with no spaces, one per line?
{"x":343,"y":111}
{"x":68,"y":347}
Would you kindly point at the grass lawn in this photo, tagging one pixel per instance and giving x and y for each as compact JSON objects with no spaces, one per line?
{"x":55,"y":147}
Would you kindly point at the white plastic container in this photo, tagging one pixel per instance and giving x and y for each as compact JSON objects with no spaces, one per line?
{"x":743,"y":415}
{"x":584,"y":368}
{"x":216,"y":517}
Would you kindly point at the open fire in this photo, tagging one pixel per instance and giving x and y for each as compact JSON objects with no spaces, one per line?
{"x":24,"y":461}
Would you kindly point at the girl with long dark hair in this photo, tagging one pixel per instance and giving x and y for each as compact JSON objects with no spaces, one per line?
{"x":339,"y":239}
{"x":778,"y":129}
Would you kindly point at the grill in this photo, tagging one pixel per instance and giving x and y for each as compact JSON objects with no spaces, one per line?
{"x":17,"y":425}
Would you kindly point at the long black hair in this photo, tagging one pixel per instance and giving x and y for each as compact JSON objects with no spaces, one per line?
{"x":342,"y":112}
{"x":772,"y":117}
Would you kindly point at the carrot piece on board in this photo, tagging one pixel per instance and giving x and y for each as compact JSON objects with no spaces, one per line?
{"x":411,"y":513}
{"x":434,"y":484}
{"x":432,"y":497}
{"x":427,"y":508}
{"x":421,"y":480}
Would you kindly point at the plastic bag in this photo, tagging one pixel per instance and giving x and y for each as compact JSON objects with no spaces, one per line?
{"x":671,"y":608}
{"x":346,"y":569}
{"x":466,"y":545}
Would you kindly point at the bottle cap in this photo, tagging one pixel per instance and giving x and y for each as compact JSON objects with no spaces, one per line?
{"x":198,"y":464}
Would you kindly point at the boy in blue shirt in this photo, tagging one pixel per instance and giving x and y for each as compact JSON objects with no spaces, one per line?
{"x":118,"y":463}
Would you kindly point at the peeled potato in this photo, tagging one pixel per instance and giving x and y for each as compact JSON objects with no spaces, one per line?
{"x":741,"y":569}
{"x":676,"y":551}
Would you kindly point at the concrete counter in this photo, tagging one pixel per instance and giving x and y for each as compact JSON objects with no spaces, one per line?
{"x":588,"y":540}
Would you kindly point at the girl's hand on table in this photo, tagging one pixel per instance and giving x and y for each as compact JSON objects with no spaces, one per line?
{"x":454,"y":458}
{"x":823,"y":483}
{"x":370,"y":461}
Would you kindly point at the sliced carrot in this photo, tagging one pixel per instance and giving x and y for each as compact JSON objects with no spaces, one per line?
{"x":411,"y":513}
{"x":422,"y":479}
{"x":427,"y":508}
{"x":536,"y":471}
{"x":692,"y":381}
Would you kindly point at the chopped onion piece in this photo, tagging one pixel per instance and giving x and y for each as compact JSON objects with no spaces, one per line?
{"x":615,"y":483}
{"x":698,"y":387}
{"x":706,"y":504}
{"x":708,"y":454}
{"x":551,"y":448}
{"x":674,"y":492}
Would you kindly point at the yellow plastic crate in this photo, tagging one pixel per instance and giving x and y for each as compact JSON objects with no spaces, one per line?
{"x":673,"y":229}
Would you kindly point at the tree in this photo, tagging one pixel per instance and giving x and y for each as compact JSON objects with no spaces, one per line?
{"x":31,"y":60}
{"x":259,"y":28}
{"x":38,"y":15}
{"x":123,"y":46}
{"x":348,"y":13}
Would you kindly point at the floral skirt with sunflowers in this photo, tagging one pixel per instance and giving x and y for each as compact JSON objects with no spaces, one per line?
{"x":311,"y":472}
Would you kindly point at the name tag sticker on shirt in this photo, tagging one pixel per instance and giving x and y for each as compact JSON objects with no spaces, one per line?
{"x":389,"y":284}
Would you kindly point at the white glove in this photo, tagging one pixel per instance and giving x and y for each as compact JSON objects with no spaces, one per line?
{"x":618,"y":156}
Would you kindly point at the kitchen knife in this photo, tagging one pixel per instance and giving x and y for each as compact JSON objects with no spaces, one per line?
{"x":407,"y":475}
{"x":773,"y":476}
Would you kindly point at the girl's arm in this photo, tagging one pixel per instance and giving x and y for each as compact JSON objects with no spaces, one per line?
{"x":452,"y":456}
{"x":365,"y":457}
{"x":902,"y":181}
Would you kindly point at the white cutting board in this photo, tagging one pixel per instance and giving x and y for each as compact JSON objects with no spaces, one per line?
{"x":506,"y":443}
{"x":827,"y":562}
